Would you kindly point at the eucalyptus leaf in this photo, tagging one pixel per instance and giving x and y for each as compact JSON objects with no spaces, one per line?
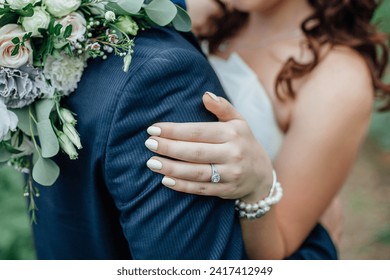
{"x":124,"y":7}
{"x":43,"y":109}
{"x":48,"y":139}
{"x":23,"y":115}
{"x":4,"y":155}
{"x":182,"y":21}
{"x":36,"y":156}
{"x":161,"y":12}
{"x":45,"y":172}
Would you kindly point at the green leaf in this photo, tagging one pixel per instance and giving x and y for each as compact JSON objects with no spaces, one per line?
{"x":15,"y":50}
{"x":68,"y":31}
{"x":27,"y":11}
{"x":27,"y":36}
{"x":24,"y":121}
{"x":161,"y":12}
{"x":20,"y":138}
{"x":68,"y":50}
{"x":43,"y":31}
{"x":15,"y":40}
{"x":43,"y":109}
{"x":48,"y":139}
{"x":11,"y":149}
{"x":49,"y":48}
{"x":125,"y":7}
{"x":182,"y":21}
{"x":4,"y":11}
{"x":57,"y":29}
{"x":45,"y":172}
{"x":4,"y":154}
{"x":8,"y":18}
{"x":51,"y":26}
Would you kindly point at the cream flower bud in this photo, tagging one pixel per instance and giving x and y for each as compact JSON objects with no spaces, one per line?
{"x":72,"y":134}
{"x":67,"y":116}
{"x":40,"y":19}
{"x":127,"y":25}
{"x":110,"y":16}
{"x":67,"y":146}
{"x":127,"y":62}
{"x":60,"y":8}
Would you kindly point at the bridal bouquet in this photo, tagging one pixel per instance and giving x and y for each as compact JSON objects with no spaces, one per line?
{"x":44,"y":48}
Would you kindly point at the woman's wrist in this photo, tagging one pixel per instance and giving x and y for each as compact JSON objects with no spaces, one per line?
{"x":259,"y":208}
{"x":261,"y":190}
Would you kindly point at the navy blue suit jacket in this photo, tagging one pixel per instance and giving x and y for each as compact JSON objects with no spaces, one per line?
{"x":107,"y":204}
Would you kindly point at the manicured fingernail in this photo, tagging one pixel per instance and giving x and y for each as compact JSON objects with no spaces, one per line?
{"x":154,"y":131}
{"x":213,"y":96}
{"x":154,"y":164}
{"x":168,"y":182}
{"x":151,"y":144}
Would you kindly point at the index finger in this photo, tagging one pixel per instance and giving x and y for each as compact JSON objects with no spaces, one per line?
{"x":205,"y":132}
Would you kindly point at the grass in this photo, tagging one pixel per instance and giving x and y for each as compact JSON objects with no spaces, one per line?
{"x":15,"y":230}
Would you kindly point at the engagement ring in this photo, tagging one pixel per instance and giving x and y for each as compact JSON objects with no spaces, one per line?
{"x":215,"y":176}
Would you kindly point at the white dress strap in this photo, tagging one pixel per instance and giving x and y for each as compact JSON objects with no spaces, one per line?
{"x":249,"y":97}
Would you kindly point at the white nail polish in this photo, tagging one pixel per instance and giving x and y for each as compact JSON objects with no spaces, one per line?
{"x":151,"y":144}
{"x":168,"y":182}
{"x":154,"y":164}
{"x":154,"y":131}
{"x":213,"y":96}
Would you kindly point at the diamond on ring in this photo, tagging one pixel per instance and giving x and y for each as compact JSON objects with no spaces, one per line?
{"x":215,"y":176}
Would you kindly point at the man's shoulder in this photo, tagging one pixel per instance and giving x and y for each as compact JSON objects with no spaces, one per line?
{"x":156,"y":41}
{"x":156,"y":45}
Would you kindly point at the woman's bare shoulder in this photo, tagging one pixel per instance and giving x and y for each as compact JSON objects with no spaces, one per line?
{"x":343,"y":77}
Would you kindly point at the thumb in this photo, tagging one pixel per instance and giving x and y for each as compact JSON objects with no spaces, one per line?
{"x":220,"y":107}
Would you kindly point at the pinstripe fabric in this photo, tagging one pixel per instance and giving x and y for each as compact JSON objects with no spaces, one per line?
{"x":182,"y":3}
{"x":107,"y":204}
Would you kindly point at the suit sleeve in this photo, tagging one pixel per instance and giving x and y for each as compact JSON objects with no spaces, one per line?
{"x":160,"y":223}
{"x":181,"y":3}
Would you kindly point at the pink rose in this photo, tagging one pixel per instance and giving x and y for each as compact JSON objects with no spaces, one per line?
{"x":78,"y":23}
{"x":24,"y":56}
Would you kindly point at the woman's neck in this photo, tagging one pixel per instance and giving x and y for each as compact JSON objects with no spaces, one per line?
{"x":285,"y":16}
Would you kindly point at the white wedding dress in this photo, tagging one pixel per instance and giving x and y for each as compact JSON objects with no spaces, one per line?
{"x":248,"y":96}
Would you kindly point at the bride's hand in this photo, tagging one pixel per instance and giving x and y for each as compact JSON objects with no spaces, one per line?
{"x":245,"y":169}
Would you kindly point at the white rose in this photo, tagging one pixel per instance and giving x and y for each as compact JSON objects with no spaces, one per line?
{"x":8,"y":121}
{"x":40,"y":19}
{"x":60,"y":8}
{"x":24,"y":56}
{"x":64,"y":72}
{"x":78,"y":23}
{"x":98,"y":8}
{"x":19,"y":4}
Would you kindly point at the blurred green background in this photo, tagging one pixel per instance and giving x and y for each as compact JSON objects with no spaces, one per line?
{"x":366,"y":196}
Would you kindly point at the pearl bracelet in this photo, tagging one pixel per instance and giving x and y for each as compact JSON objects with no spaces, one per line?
{"x":257,"y":210}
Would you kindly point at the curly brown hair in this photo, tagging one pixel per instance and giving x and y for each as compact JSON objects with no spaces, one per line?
{"x":333,"y":23}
